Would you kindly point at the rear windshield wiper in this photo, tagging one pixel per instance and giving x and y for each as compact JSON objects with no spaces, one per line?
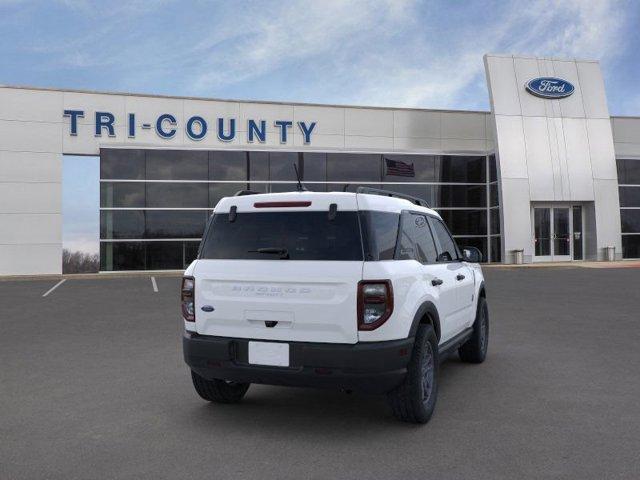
{"x":283,"y":252}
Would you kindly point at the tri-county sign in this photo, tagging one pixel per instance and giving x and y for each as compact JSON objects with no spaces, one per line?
{"x":549,"y":87}
{"x":196,"y":127}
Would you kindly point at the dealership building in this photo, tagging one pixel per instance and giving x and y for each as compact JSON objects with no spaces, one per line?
{"x":546,"y":175}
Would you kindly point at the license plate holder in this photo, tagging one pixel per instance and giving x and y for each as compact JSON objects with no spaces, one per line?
{"x":274,"y":354}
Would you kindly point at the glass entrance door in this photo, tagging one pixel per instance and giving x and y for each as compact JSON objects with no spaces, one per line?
{"x":557,"y":233}
{"x":561,"y":234}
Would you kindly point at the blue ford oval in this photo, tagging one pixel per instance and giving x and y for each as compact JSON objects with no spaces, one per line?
{"x":549,"y":87}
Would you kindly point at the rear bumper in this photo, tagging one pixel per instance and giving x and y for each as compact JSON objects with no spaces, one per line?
{"x":375,"y":367}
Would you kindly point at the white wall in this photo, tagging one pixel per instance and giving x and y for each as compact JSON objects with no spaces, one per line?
{"x":34,"y":134}
{"x":30,"y":182}
{"x":552,"y":150}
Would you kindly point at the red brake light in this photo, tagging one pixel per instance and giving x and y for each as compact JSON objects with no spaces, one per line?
{"x":281,"y":204}
{"x":375,"y":303}
{"x":187,"y":299}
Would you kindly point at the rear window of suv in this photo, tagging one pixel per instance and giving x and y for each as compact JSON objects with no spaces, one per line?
{"x":284,"y":235}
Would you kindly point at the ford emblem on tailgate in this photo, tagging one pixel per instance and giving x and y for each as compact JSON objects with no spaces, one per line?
{"x":549,"y":87}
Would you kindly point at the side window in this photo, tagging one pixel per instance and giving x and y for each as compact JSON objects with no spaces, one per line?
{"x":415,"y":241}
{"x":447,"y":249}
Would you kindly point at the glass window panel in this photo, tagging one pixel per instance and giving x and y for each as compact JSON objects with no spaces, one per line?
{"x":542,"y":231}
{"x":358,"y":167}
{"x":122,"y":256}
{"x":459,"y":195}
{"x":175,"y":223}
{"x":121,"y":224}
{"x":409,"y":168}
{"x":461,"y":169}
{"x":630,"y":221}
{"x":348,"y":187}
{"x":177,"y":195}
{"x":190,"y":252}
{"x":629,"y":196}
{"x":281,"y":166}
{"x":494,"y":198}
{"x":284,"y":187}
{"x":164,"y":255}
{"x":220,"y":190}
{"x":115,"y":194}
{"x":493,"y":169}
{"x":258,"y":166}
{"x":416,"y":241}
{"x":379,"y":232}
{"x":465,"y":222}
{"x":446,"y":245}
{"x":315,"y":167}
{"x":177,"y":165}
{"x":628,"y":171}
{"x":495,"y":220}
{"x":419,"y":191}
{"x":479,"y":242}
{"x":126,"y":164}
{"x":496,"y":249}
{"x":631,"y":246}
{"x":228,"y":165}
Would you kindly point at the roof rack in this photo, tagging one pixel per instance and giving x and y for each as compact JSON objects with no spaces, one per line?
{"x":387,"y":193}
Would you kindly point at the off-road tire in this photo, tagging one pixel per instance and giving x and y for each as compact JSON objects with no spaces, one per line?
{"x":413,"y":401}
{"x":474,"y":350}
{"x":219,"y":391}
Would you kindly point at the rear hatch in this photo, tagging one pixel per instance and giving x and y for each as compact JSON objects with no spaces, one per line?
{"x":281,"y":267}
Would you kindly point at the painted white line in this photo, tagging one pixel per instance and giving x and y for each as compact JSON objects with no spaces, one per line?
{"x":54,"y":287}
{"x":154,"y":284}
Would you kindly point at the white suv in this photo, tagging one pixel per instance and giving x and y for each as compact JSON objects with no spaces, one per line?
{"x":358,"y":291}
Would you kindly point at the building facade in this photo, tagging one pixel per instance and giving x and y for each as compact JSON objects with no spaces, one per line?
{"x":546,"y":173}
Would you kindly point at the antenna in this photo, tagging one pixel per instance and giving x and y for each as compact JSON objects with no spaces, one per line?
{"x":300,"y":186}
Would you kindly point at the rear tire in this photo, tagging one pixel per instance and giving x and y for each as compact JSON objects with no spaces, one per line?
{"x":474,"y":350}
{"x":219,"y":391}
{"x":415,"y":399}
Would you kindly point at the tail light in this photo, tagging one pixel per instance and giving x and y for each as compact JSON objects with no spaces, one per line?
{"x":187,"y":299}
{"x":375,"y":303}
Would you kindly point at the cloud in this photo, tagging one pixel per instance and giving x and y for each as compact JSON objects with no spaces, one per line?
{"x":386,"y":52}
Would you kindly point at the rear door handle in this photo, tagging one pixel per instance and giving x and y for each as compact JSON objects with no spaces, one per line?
{"x":436,"y":281}
{"x":460,"y":277}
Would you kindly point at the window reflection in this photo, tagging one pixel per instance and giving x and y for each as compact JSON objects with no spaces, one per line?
{"x":228,"y":165}
{"x":177,"y":195}
{"x":176,"y":165}
{"x":125,"y":164}
{"x":129,"y":195}
{"x":354,"y":166}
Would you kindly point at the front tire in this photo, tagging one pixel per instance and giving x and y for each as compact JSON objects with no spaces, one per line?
{"x":415,"y":399}
{"x":474,"y":350}
{"x":219,"y":391}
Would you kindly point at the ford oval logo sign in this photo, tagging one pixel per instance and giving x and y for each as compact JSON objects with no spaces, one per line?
{"x":549,"y":87}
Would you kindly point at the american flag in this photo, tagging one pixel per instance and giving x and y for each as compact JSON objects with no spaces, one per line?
{"x":399,"y":169}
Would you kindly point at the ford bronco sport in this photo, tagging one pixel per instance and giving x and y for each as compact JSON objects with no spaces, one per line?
{"x":357,"y":291}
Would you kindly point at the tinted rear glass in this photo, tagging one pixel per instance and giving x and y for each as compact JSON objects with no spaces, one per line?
{"x":380,"y":232}
{"x":302,"y":235}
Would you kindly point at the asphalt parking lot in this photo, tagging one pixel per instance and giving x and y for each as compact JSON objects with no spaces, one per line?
{"x":93,"y":386}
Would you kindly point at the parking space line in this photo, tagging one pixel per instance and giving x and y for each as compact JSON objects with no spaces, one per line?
{"x":154,"y":284}
{"x":54,"y":287}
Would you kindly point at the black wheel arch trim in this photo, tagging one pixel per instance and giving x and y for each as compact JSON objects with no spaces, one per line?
{"x":482,"y":291}
{"x":427,"y":308}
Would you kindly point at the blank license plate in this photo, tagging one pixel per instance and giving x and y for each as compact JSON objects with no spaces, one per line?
{"x":269,"y":353}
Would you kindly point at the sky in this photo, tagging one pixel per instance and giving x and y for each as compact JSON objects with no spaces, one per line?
{"x":401,"y":53}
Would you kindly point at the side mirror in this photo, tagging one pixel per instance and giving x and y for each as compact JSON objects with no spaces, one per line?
{"x":471,"y":255}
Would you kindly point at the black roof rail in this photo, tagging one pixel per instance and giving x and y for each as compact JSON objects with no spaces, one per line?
{"x":387,"y":193}
{"x":242,"y":193}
